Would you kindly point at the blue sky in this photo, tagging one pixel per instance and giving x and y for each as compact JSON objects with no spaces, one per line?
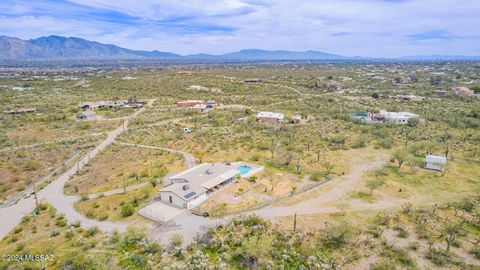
{"x":348,"y":27}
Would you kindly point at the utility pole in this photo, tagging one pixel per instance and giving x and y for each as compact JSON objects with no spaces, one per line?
{"x":295,"y":222}
{"x":124,"y":185}
{"x":35,"y":193}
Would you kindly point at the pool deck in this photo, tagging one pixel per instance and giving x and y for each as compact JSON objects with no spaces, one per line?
{"x":254,"y":168}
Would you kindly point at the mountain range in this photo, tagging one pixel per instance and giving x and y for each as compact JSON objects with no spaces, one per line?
{"x":61,"y":48}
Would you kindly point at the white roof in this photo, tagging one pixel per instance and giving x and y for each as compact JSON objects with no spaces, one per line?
{"x":270,"y":115}
{"x":220,"y":179}
{"x":400,"y":115}
{"x":436,"y":159}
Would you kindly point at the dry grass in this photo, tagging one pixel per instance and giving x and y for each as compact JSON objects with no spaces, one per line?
{"x":119,"y":163}
{"x":110,"y":207}
{"x":19,"y":168}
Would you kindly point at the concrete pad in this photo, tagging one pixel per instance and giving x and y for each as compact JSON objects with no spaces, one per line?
{"x":159,"y":211}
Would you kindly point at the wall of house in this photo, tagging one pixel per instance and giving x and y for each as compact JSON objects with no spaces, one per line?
{"x":201,"y":198}
{"x":267,"y":120}
{"x":176,"y":200}
{"x":433,"y":166}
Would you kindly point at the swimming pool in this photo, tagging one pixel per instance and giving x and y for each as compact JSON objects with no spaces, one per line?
{"x":244,"y":169}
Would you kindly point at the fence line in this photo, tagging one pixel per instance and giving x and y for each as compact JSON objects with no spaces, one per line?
{"x":200,"y":210}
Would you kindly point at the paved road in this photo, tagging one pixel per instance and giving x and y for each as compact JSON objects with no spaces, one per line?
{"x":54,"y":193}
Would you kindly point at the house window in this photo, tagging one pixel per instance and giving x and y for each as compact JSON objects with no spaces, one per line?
{"x":170,"y":199}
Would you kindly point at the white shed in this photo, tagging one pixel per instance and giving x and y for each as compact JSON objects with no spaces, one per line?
{"x":436,"y":163}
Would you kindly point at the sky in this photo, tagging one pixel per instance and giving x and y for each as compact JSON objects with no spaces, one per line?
{"x":377,"y":28}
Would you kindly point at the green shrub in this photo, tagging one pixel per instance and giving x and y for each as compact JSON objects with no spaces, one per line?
{"x":439,"y":257}
{"x":127,"y":210}
{"x":54,"y":233}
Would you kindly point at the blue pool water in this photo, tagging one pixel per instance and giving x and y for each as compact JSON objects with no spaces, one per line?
{"x":244,"y":169}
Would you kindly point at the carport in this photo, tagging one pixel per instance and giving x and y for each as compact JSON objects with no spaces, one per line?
{"x":159,"y":211}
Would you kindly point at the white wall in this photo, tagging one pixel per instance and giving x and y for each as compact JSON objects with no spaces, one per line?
{"x":176,"y":200}
{"x":197,"y":201}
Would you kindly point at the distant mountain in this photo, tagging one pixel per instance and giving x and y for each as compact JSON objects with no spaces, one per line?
{"x":439,"y":58}
{"x":57,"y":48}
{"x":254,"y":54}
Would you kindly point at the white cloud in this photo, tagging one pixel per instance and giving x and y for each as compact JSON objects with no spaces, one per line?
{"x":350,"y":27}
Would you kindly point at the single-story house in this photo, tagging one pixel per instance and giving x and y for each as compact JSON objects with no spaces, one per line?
{"x":189,"y":103}
{"x":463,"y":91}
{"x":436,"y":163}
{"x":86,"y":115}
{"x":103,"y":104}
{"x":394,"y":117}
{"x":21,"y":111}
{"x":252,"y":81}
{"x":270,"y":117}
{"x":199,"y":108}
{"x":193,"y":186}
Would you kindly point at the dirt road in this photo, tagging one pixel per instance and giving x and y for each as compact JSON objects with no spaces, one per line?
{"x":54,"y":193}
{"x":320,"y":201}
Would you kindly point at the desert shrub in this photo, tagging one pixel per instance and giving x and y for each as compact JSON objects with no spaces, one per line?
{"x":316,"y":176}
{"x":401,"y":231}
{"x":439,"y":257}
{"x":54,"y":233}
{"x":25,"y":219}
{"x":133,"y":237}
{"x":91,"y":231}
{"x":76,"y":224}
{"x":90,"y":214}
{"x":383,"y":265}
{"x":385,"y":143}
{"x":127,"y":210}
{"x":176,"y":241}
{"x":338,"y":235}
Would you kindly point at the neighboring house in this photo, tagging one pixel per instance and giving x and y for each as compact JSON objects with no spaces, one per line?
{"x":199,"y":108}
{"x":463,"y":91}
{"x":189,"y":103}
{"x":440,"y":93}
{"x":270,"y":117}
{"x":95,"y":105}
{"x":193,"y":186}
{"x":212,"y":104}
{"x":436,"y":163}
{"x":394,"y":117}
{"x":110,"y":104}
{"x":407,"y":97}
{"x":186,"y":73}
{"x":21,"y":111}
{"x":252,"y":81}
{"x":87,"y":115}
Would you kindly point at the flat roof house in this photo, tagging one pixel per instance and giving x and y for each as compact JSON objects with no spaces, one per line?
{"x":395,"y":117}
{"x":21,"y":111}
{"x":189,"y":103}
{"x":270,"y":117}
{"x":436,"y":163}
{"x":193,"y":186}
